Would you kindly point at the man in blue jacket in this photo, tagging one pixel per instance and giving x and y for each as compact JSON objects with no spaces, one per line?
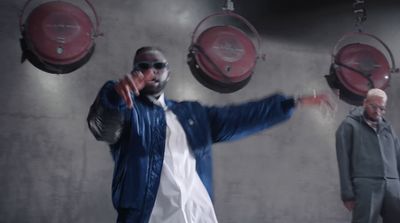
{"x":368,"y":154}
{"x":162,"y":148}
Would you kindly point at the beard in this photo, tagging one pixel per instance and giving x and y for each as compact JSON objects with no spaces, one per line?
{"x":372,"y":118}
{"x":155,"y":89}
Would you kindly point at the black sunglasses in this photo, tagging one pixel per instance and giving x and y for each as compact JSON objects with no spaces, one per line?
{"x":144,"y":65}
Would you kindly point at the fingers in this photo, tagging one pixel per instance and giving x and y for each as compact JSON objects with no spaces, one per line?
{"x":326,"y":100}
{"x":139,"y":79}
{"x":148,"y":75}
{"x":127,"y":95}
{"x":130,"y":83}
{"x":124,"y":91}
{"x":317,"y":99}
{"x":349,"y":205}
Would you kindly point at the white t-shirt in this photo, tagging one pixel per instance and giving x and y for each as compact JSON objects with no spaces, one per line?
{"x":182,"y":196}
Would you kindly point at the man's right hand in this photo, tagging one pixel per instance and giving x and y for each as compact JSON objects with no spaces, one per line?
{"x":133,"y":82}
{"x":349,"y":205}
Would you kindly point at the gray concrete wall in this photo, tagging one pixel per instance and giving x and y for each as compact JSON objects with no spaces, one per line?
{"x":53,"y":170}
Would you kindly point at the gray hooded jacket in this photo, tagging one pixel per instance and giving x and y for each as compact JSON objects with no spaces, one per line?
{"x":363,"y":152}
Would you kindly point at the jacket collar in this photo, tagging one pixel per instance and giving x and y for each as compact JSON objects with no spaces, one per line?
{"x":357,"y":114}
{"x":161,"y":101}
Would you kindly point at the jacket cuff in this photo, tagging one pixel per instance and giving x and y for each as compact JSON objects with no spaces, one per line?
{"x":349,"y":196}
{"x":288,"y":105}
{"x":109,"y":98}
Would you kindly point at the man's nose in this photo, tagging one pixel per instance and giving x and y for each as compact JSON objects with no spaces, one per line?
{"x":149,"y":73}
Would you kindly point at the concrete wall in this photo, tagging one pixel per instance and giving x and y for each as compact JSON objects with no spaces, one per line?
{"x":53,"y":170}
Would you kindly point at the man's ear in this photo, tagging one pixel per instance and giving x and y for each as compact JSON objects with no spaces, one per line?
{"x":168,"y":75}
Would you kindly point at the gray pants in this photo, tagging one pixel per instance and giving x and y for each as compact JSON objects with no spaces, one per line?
{"x":376,"y":197}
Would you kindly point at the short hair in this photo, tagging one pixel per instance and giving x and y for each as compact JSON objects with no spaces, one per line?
{"x":147,"y":49}
{"x":377,"y":93}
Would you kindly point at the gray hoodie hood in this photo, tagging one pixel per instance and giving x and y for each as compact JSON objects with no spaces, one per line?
{"x":357,"y":113}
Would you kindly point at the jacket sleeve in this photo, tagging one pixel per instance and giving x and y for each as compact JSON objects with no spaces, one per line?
{"x":344,"y":143}
{"x":237,"y":121}
{"x":397,"y":148}
{"x":106,"y":115}
{"x":398,"y":154}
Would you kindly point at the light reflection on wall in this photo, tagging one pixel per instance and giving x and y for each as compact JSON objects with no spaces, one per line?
{"x":184,"y":14}
{"x":47,"y":92}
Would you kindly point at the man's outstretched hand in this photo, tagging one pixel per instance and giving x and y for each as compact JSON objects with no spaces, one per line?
{"x":133,"y":82}
{"x":316,"y":99}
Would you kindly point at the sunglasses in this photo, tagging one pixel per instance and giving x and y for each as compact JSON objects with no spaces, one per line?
{"x":144,"y":65}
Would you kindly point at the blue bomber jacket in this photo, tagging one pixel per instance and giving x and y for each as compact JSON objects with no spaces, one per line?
{"x":137,"y":138}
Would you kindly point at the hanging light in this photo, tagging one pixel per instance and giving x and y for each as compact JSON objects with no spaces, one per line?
{"x":57,"y":37}
{"x":357,"y":67}
{"x":222,"y":57}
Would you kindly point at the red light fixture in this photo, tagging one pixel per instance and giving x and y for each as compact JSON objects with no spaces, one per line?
{"x":58,"y":37}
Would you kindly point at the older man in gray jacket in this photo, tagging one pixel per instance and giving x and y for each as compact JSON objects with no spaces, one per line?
{"x":368,"y":154}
